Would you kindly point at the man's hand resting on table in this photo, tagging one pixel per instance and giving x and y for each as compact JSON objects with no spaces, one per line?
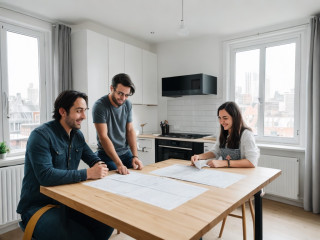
{"x":99,"y":170}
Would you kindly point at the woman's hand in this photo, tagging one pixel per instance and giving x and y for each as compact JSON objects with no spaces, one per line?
{"x":217,"y":163}
{"x":194,"y":158}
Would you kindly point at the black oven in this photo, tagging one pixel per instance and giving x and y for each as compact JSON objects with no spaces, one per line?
{"x":166,"y":149}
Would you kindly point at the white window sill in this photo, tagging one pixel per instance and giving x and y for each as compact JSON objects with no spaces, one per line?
{"x":281,"y":147}
{"x":11,"y":161}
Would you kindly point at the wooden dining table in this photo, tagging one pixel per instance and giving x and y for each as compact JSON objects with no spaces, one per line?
{"x":191,"y":220}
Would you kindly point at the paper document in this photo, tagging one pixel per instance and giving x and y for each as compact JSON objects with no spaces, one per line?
{"x":210,"y":177}
{"x":200,"y":164}
{"x":158,"y":191}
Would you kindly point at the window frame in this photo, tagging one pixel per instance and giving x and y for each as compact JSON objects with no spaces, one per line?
{"x":45,"y":94}
{"x":269,"y":39}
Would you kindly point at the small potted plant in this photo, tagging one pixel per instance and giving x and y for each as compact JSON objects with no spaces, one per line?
{"x":3,"y":150}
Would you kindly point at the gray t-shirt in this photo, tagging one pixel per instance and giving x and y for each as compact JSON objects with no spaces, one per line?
{"x":116,"y":119}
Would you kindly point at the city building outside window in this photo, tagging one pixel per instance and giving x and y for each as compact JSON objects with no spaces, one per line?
{"x":22,"y":84}
{"x":265,"y":75}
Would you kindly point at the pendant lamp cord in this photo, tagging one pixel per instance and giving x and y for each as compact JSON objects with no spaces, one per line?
{"x":182,"y":11}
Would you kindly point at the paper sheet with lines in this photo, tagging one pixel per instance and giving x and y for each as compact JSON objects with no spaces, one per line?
{"x":158,"y":191}
{"x":210,"y":177}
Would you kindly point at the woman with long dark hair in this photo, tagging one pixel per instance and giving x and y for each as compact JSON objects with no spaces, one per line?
{"x":236,"y":145}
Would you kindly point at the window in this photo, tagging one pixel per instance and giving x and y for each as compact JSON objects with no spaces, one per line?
{"x":22,"y":84}
{"x":264,"y":82}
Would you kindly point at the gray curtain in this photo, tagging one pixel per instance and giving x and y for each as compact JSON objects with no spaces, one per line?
{"x":62,"y":65}
{"x":312,"y":166}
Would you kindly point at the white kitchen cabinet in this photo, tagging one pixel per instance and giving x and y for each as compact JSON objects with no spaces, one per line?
{"x":97,"y":58}
{"x":146,"y":150}
{"x":149,"y":78}
{"x":140,"y":65}
{"x":133,"y":67}
{"x":116,"y":58}
{"x":207,"y":146}
{"x":90,"y":72}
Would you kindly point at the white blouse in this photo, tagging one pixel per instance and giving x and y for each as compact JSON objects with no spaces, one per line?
{"x":248,"y":148}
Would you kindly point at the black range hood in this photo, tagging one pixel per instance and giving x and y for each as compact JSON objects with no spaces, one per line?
{"x":195,"y":84}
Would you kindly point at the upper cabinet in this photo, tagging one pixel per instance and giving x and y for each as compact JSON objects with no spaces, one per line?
{"x":149,"y":77}
{"x":133,"y":67}
{"x":98,"y":58}
{"x":90,"y":72}
{"x":116,"y":58}
{"x":140,"y":65}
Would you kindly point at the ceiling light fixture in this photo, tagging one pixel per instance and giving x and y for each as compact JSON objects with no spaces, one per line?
{"x":183,"y":30}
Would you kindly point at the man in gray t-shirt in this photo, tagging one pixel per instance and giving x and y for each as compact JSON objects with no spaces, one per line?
{"x":112,"y":117}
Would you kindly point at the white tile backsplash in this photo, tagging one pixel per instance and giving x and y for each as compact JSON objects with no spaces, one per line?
{"x":193,"y":114}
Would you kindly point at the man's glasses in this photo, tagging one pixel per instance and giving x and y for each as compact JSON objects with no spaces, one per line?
{"x":121,"y":94}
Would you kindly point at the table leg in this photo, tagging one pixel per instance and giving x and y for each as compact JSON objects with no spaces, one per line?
{"x":258,"y":219}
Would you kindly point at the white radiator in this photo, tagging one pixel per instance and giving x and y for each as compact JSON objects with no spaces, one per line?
{"x":10,"y":188}
{"x":287,"y":184}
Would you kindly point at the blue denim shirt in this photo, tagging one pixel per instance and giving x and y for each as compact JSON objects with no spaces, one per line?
{"x":52,"y":158}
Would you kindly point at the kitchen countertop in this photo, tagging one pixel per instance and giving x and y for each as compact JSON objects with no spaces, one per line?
{"x":200,"y":140}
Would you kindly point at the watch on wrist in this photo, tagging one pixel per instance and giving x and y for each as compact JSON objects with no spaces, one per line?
{"x":134,"y":157}
{"x":228,"y":163}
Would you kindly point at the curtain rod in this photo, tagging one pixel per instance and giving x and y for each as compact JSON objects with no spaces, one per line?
{"x":266,"y":32}
{"x":32,"y":16}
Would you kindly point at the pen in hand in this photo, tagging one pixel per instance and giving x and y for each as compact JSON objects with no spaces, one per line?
{"x":100,"y":163}
{"x":98,"y":170}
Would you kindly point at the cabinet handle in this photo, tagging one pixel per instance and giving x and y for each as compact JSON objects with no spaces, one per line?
{"x":163,"y":146}
{"x":142,"y":150}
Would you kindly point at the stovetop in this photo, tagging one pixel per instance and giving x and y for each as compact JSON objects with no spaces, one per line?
{"x":184,"y":135}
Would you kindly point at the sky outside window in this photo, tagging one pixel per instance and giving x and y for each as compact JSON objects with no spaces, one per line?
{"x":23,"y":82}
{"x":23,"y":63}
{"x":279,"y":88}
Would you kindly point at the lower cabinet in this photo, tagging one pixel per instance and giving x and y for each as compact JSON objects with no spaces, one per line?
{"x":146,"y":150}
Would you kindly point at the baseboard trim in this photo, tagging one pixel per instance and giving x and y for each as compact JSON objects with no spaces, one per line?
{"x":9,"y":227}
{"x":296,"y":203}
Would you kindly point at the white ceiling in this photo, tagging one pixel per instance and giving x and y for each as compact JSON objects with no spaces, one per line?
{"x":138,"y":18}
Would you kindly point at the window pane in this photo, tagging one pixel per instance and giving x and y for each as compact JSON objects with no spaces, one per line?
{"x":247,"y":86}
{"x":279,"y":91}
{"x":23,"y":78}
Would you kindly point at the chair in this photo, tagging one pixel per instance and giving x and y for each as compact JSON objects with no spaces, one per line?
{"x":22,"y":228}
{"x":243,"y":217}
{"x":28,"y":230}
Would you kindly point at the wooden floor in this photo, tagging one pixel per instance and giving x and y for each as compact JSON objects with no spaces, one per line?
{"x":280,"y":222}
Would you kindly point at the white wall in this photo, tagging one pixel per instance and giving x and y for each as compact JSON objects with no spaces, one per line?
{"x":145,"y":114}
{"x":190,"y":113}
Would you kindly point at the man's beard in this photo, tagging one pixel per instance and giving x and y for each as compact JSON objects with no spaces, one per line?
{"x":115,"y":100}
{"x":72,"y":123}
